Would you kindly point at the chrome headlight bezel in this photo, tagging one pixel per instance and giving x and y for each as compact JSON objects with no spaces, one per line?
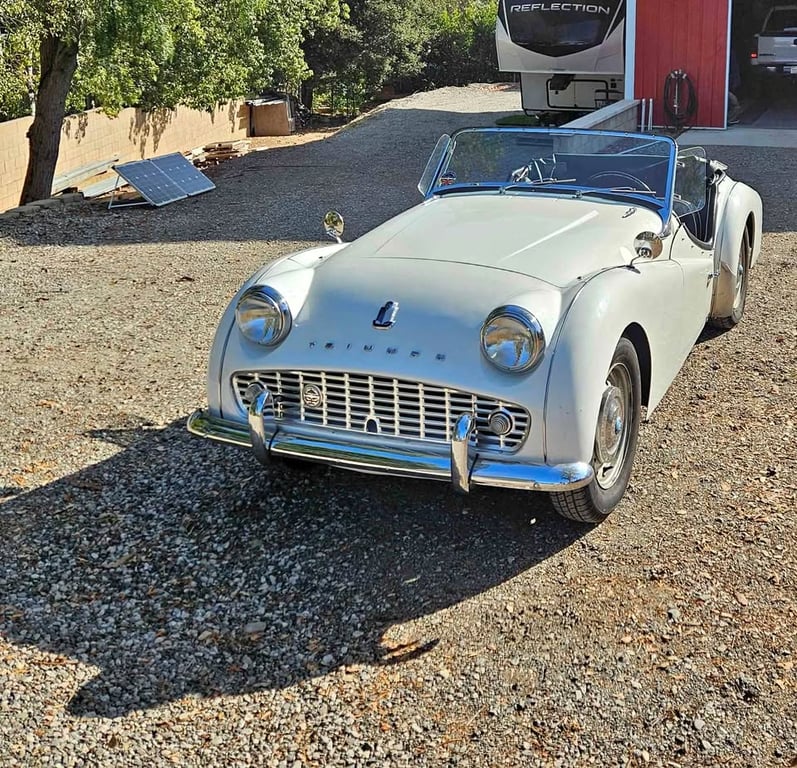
{"x":272,"y":325}
{"x":527,"y":325}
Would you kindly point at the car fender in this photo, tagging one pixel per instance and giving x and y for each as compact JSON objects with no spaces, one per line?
{"x":292,"y":262}
{"x":640,"y":298}
{"x":740,"y":204}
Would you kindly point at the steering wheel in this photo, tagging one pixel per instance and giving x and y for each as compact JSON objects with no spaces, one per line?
{"x":522,"y":173}
{"x":543,"y":169}
{"x":625,"y":178}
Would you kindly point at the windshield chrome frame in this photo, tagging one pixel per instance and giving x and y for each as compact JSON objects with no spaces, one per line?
{"x":662,"y":205}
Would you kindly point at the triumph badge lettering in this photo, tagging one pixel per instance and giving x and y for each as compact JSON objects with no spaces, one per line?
{"x":387,"y":315}
{"x":312,"y":396}
{"x":575,"y":7}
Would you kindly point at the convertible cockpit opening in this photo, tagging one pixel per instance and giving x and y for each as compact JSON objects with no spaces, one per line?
{"x":695,"y":194}
{"x":635,"y":172}
{"x":700,"y":224}
{"x":559,"y":161}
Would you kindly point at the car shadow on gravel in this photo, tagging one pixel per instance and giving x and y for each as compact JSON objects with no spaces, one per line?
{"x":179,"y":567}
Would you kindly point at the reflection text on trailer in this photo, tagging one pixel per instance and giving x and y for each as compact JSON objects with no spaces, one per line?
{"x":560,"y":7}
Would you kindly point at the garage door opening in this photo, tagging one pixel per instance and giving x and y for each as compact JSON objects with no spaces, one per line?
{"x":760,"y":64}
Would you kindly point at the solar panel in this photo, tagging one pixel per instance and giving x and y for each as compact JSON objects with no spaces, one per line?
{"x":183,"y":173}
{"x":151,"y":182}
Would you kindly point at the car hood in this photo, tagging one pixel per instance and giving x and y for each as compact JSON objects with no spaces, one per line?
{"x":555,"y":239}
{"x":435,"y":334}
{"x":447,"y":263}
{"x":347,"y":292}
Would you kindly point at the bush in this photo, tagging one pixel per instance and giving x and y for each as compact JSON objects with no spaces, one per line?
{"x":462,"y":47}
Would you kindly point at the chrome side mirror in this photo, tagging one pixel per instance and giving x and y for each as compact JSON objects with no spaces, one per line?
{"x":333,"y":225}
{"x":648,"y":245}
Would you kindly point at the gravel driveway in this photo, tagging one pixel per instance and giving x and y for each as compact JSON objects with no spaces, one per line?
{"x":164,"y":600}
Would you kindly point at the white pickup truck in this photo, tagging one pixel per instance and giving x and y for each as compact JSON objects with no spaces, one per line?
{"x":777,"y":42}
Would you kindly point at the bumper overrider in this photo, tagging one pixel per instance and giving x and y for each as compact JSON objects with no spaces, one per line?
{"x":459,"y":464}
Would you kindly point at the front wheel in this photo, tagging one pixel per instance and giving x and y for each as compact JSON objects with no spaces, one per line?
{"x":615,"y":444}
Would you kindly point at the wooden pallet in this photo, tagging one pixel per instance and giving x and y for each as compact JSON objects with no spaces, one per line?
{"x":224,"y":150}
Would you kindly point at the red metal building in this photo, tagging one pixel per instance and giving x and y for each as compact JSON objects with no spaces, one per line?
{"x":688,"y":35}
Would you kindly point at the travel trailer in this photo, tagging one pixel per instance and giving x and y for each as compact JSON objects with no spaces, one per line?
{"x":570,"y":56}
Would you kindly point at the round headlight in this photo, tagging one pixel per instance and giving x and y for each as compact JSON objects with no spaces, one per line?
{"x":513,"y":339}
{"x":263,"y":315}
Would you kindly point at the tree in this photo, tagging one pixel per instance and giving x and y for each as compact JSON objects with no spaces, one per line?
{"x":150,"y":53}
{"x":62,"y":29}
{"x":377,"y":40}
{"x":462,"y":48}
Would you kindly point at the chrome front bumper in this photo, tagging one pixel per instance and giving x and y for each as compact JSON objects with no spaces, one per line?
{"x":458,"y":464}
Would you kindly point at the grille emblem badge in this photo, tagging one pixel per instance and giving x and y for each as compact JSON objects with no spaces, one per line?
{"x":387,"y":315}
{"x":312,"y":396}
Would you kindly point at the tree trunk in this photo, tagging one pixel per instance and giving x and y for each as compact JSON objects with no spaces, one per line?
{"x":306,"y":94}
{"x":58,"y":65}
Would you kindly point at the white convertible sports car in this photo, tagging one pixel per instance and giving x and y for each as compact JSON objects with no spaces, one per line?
{"x":507,"y":331}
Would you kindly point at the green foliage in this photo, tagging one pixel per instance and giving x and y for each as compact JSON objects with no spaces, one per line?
{"x":159,"y":52}
{"x":198,"y":52}
{"x":377,"y":41}
{"x":126,"y":50}
{"x":413,"y":45}
{"x":18,"y":60}
{"x":462,"y":47}
{"x":522,"y":120}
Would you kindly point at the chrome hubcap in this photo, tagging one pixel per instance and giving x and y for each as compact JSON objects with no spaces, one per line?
{"x":611,"y":436}
{"x":610,"y":425}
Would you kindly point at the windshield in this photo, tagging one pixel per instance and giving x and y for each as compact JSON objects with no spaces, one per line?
{"x":605,"y":164}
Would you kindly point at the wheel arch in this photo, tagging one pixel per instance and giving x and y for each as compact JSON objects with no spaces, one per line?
{"x":635,"y":333}
{"x":752,"y":240}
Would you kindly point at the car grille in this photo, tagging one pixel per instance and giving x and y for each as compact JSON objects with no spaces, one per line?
{"x":407,"y":409}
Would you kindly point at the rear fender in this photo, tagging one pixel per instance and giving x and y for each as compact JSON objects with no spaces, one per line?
{"x":742,"y":209}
